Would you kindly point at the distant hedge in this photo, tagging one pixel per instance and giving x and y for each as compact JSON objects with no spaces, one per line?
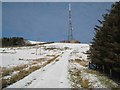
{"x":12,"y":41}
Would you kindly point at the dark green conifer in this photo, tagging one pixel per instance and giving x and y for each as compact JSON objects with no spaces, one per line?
{"x":105,"y":48}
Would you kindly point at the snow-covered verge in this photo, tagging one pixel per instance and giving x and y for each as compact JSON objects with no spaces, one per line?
{"x":82,"y":77}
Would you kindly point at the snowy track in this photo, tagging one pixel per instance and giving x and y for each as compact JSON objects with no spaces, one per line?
{"x":51,"y":76}
{"x":54,"y":76}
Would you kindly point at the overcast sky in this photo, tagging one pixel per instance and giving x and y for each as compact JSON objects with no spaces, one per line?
{"x":49,"y":21}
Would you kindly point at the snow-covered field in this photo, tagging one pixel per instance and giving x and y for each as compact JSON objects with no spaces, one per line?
{"x":56,"y":73}
{"x":34,"y":42}
{"x":22,"y":55}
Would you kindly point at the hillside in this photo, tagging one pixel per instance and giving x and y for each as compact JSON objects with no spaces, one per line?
{"x":57,"y":65}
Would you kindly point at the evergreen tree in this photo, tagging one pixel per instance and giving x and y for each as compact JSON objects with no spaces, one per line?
{"x":13,"y":41}
{"x":105,"y":48}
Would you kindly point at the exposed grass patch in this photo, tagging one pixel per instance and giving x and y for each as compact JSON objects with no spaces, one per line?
{"x":66,"y":48}
{"x":35,"y":62}
{"x":0,"y":84}
{"x":103,"y":79}
{"x":14,"y":79}
{"x":31,"y":69}
{"x":51,"y":55}
{"x":22,"y":73}
{"x":39,"y":60}
{"x":4,"y":83}
{"x":51,"y":48}
{"x":57,"y":60}
{"x":85,"y":83}
{"x":8,"y":71}
{"x":93,"y":72}
{"x":82,"y":62}
{"x":22,"y":66}
{"x":77,"y":80}
{"x":17,"y":77}
{"x":51,"y":60}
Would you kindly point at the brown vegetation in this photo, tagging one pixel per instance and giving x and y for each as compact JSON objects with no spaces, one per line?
{"x":81,"y":62}
{"x":22,"y":73}
{"x":85,"y":83}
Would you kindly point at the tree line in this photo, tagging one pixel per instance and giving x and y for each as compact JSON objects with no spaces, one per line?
{"x":12,"y":41}
{"x":104,"y":51}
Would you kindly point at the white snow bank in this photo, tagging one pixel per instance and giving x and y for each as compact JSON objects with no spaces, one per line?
{"x":35,"y":42}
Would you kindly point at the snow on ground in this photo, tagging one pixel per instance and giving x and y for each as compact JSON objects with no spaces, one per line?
{"x":82,"y":77}
{"x":56,"y":73}
{"x":78,"y":50}
{"x":35,"y":42}
{"x":16,"y":56}
{"x":92,"y":78}
{"x":53,"y":76}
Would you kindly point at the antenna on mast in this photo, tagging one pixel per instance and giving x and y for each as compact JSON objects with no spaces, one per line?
{"x":70,"y":28}
{"x":69,"y":7}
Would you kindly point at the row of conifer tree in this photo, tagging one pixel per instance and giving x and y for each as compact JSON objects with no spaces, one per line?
{"x":104,"y":52}
{"x":12,"y":41}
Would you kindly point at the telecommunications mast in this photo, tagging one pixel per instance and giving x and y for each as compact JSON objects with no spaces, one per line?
{"x":70,"y":28}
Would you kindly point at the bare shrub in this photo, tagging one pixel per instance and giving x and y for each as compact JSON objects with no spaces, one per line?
{"x":13,"y":79}
{"x":4,"y":83}
{"x":17,"y":68}
{"x":31,"y":69}
{"x":85,"y":83}
{"x":6,"y":72}
{"x":82,"y":62}
{"x":22,"y":73}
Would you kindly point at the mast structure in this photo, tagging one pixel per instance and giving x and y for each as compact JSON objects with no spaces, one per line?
{"x":70,"y":28}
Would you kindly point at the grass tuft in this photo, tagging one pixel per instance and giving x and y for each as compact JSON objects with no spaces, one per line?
{"x":22,"y":73}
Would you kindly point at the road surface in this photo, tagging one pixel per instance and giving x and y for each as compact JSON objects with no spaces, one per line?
{"x":51,"y":76}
